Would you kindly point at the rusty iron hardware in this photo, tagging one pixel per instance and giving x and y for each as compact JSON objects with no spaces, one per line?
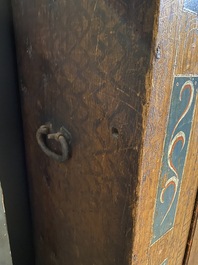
{"x":63,"y":137}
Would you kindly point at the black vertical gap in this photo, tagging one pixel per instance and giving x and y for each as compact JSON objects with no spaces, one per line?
{"x":12,"y":159}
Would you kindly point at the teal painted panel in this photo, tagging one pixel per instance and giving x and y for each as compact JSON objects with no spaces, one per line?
{"x":191,"y":5}
{"x":174,"y":154}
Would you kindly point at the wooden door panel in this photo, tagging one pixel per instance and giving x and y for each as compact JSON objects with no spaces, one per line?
{"x":82,"y":66}
{"x":122,"y":77}
{"x":176,"y":61}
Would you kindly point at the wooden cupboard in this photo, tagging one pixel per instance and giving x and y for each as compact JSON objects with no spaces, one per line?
{"x":122,"y":78}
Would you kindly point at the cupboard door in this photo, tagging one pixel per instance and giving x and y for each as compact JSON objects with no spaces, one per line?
{"x":168,"y":176}
{"x":121,"y":77}
{"x":82,"y":66}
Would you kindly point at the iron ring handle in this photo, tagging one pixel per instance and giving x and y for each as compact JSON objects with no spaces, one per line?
{"x":44,"y":131}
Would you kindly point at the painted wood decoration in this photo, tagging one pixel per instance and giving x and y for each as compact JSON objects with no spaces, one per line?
{"x":174,"y":155}
{"x":165,"y":262}
{"x":168,"y":175}
{"x":191,"y":5}
{"x":121,"y":76}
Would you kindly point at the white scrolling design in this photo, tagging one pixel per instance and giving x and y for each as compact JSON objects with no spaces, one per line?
{"x":179,"y":137}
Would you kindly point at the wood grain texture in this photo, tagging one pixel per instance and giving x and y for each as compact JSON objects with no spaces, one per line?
{"x":194,"y":250}
{"x":191,"y":246}
{"x":100,"y":67}
{"x":177,"y":40}
{"x":83,"y":65}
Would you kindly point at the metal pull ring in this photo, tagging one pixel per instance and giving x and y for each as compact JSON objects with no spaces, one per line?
{"x":63,"y":137}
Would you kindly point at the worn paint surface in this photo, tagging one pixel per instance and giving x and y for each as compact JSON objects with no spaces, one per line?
{"x":5,"y":254}
{"x":90,"y":66}
{"x":177,"y":39}
{"x":191,"y":5}
{"x":174,"y":154}
{"x":165,"y":262}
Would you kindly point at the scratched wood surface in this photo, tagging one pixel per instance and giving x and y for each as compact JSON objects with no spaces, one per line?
{"x":176,"y":45}
{"x":105,"y":70}
{"x":194,"y":250}
{"x":82,"y":65}
{"x":191,"y":252}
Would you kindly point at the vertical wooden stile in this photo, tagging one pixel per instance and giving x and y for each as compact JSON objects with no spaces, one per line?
{"x":122,"y":77}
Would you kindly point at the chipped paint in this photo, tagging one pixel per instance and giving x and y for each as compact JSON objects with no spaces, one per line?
{"x":191,"y":6}
{"x":174,"y":155}
{"x":165,"y":262}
